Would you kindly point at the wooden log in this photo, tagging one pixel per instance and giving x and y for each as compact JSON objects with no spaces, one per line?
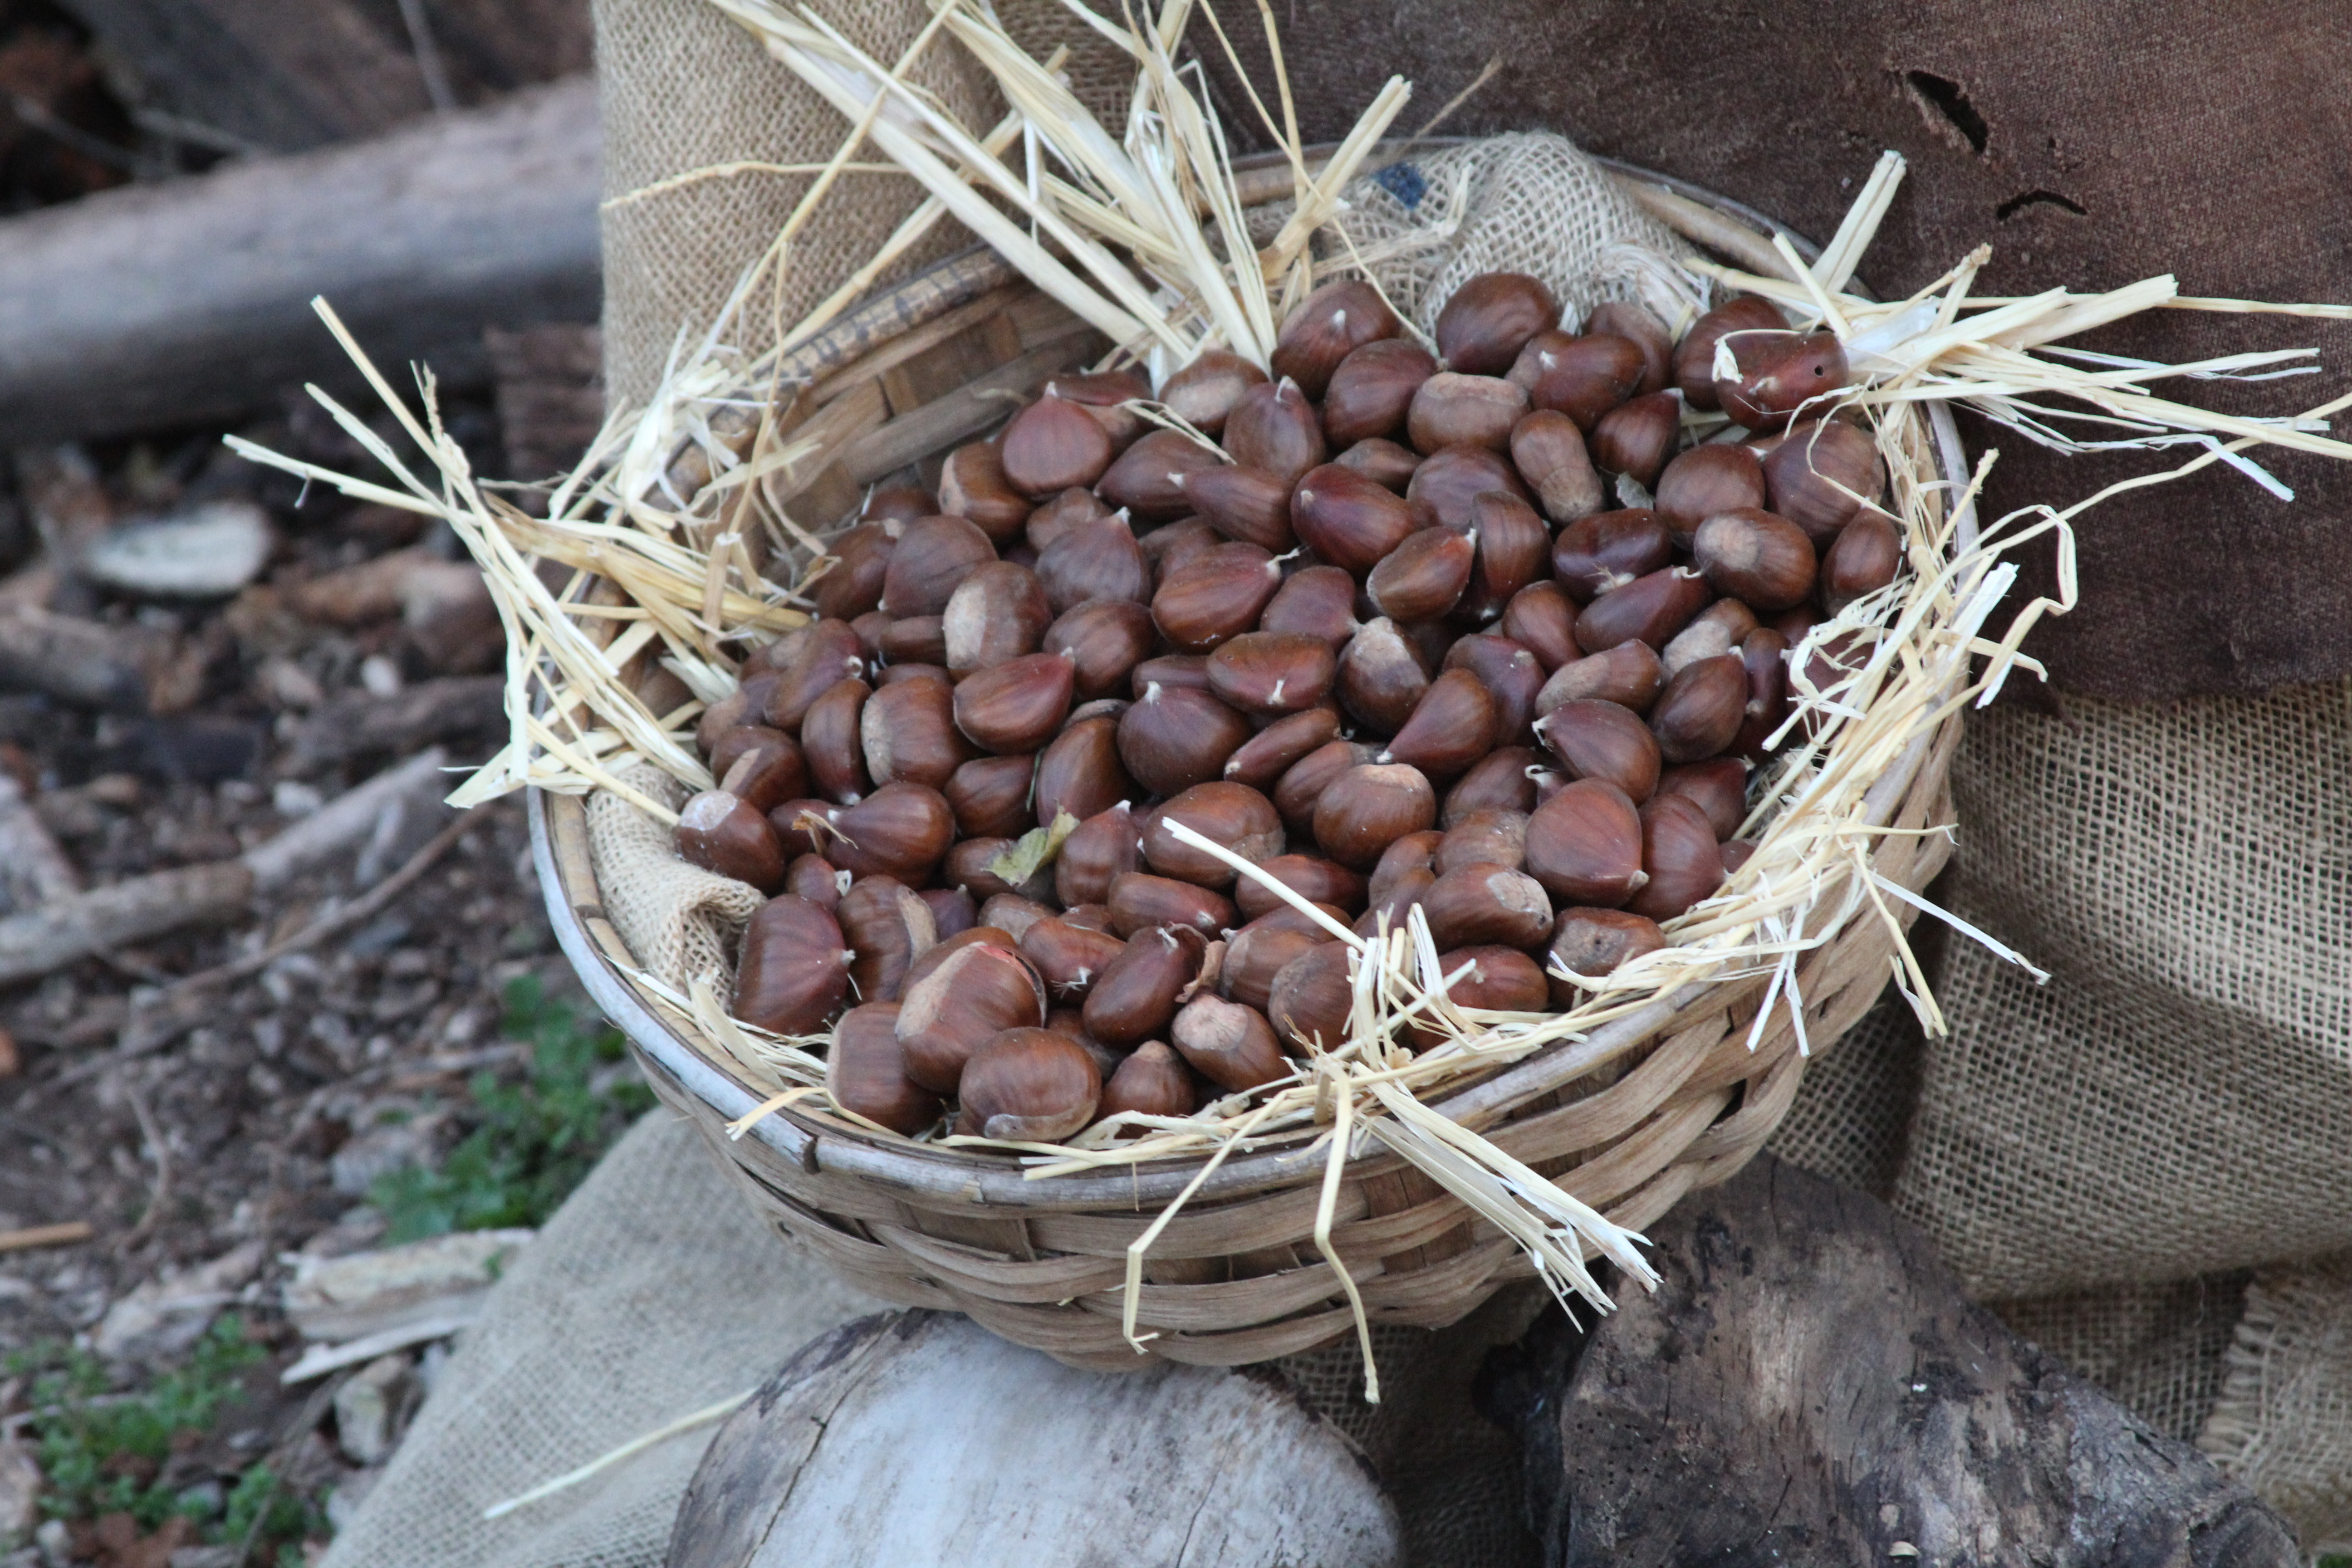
{"x":921,"y":1438}
{"x":1809,"y":1385}
{"x":165,"y":304}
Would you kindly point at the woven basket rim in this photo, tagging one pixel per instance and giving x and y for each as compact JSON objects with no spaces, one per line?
{"x":988,"y":1179}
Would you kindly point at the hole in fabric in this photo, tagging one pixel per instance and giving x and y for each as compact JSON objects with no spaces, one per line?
{"x":2024,"y":199}
{"x":1943,"y":96}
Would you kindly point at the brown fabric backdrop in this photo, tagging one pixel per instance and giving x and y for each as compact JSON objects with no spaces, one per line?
{"x":2119,"y":138}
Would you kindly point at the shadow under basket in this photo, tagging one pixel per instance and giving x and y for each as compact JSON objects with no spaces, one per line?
{"x":1627,"y":1118}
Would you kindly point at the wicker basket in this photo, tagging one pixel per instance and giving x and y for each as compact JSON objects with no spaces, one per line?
{"x":1627,"y":1119}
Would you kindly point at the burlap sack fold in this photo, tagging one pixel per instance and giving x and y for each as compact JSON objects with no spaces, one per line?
{"x":2284,"y":1422}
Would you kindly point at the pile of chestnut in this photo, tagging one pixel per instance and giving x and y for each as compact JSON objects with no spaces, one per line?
{"x":1392,"y":645}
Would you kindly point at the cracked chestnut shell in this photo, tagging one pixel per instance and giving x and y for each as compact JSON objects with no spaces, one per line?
{"x":1327,"y":326}
{"x":1490,"y":318}
{"x":794,"y":969}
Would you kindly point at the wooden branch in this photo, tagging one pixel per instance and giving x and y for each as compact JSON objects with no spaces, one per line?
{"x":33,"y":869}
{"x":165,"y":304}
{"x":64,"y":1235}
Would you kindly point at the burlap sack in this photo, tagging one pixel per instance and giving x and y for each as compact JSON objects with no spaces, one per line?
{"x":2284,"y":1422}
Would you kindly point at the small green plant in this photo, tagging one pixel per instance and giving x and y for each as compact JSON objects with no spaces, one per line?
{"x":530,"y":1143}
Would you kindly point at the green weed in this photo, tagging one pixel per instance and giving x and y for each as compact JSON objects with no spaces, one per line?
{"x":528,"y":1144}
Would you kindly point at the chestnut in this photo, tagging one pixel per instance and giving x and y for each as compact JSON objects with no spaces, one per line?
{"x":1694,"y":357}
{"x":1080,"y":772}
{"x":1061,"y":514}
{"x":723,"y":834}
{"x":1105,"y":395}
{"x":1319,"y":601}
{"x":1637,"y":326}
{"x":1451,"y":727}
{"x":1372,"y":390}
{"x":973,"y":486}
{"x":1584,"y":845}
{"x":1592,"y":943}
{"x":1274,"y":427}
{"x":1651,"y":608}
{"x":1175,"y":737}
{"x":1583,"y":377}
{"x":999,"y":612}
{"x":886,"y":927}
{"x":1500,"y":781}
{"x":1779,"y":373}
{"x":1139,"y":900}
{"x":1313,"y":996}
{"x":1231,"y":1046}
{"x":934,"y":555}
{"x":1326,"y":326}
{"x":1549,"y":450}
{"x":1134,"y":998}
{"x":861,"y":558}
{"x":952,"y":911}
{"x":1764,"y":654}
{"x":1718,"y":631}
{"x":1452,"y":409}
{"x":979,"y":992}
{"x":1233,"y":816}
{"x":747,"y":704}
{"x":1302,"y":784}
{"x":795,"y":968}
{"x":1370,"y":807}
{"x":1146,"y":479}
{"x":813,"y":876}
{"x":1096,"y":559}
{"x":1754,"y":556}
{"x":1099,"y":850}
{"x":865,"y":1072}
{"x":1151,"y":1082}
{"x":1598,"y":740}
{"x":1448,"y":480}
{"x":1605,"y":551}
{"x":1737,"y":852}
{"x":1347,"y":520}
{"x":1718,"y":788}
{"x":1628,"y":675}
{"x":1512,"y":677}
{"x":948,"y":944}
{"x":1821,"y":474}
{"x":1705,"y":481}
{"x":970,"y":864}
{"x":1382,"y":461}
{"x":1481,"y":905}
{"x":1490,"y":980}
{"x":1512,"y":547}
{"x":1679,"y":855}
{"x":1424,"y":575}
{"x":1637,"y":438}
{"x":1265,"y":756}
{"x":1204,"y":392}
{"x":1416,"y":852}
{"x":1312,"y":878}
{"x":1272,"y":673}
{"x":832,"y":739}
{"x":1216,"y":595}
{"x":1104,"y":639}
{"x":898,"y":503}
{"x":1381,"y":677}
{"x":827,"y":654}
{"x":1051,"y":446}
{"x":1070,"y":957}
{"x":901,"y":830}
{"x":766,"y":774}
{"x":1489,"y":837}
{"x":1259,"y":950}
{"x":1864,"y":559}
{"x":1246,"y":505}
{"x":1028,"y":1086}
{"x":1697,"y":713}
{"x":1490,"y":318}
{"x":907,"y":732}
{"x":913,"y":640}
{"x":1178,"y":543}
{"x":1541,"y":618}
{"x":1013,"y":914}
{"x":1017,"y":706}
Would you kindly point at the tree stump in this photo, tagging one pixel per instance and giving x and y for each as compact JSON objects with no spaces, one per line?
{"x":1808,"y":1386}
{"x":919,"y":1438}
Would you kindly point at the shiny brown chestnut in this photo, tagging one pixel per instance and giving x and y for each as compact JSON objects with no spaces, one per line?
{"x":1319,"y":601}
{"x":1175,"y":737}
{"x":1718,"y":786}
{"x":950,"y":944}
{"x":1737,"y":852}
{"x":1151,"y":1082}
{"x":1370,"y":807}
{"x":1231,"y":1046}
{"x":1541,"y":618}
{"x":1593,"y":943}
{"x":794,"y":970}
{"x":933,"y":557}
{"x":1104,"y":639}
{"x":902,"y":830}
{"x":952,"y":911}
{"x":1013,"y":914}
{"x":1218,"y":594}
{"x":1372,"y":389}
{"x":1779,"y":373}
{"x":1051,"y":446}
{"x":1312,"y":996}
{"x":1451,"y":478}
{"x":1651,"y":608}
{"x":1101,"y":850}
{"x":898,"y":503}
{"x":766,"y":773}
{"x":1764,"y":652}
{"x":1493,"y":836}
{"x":1188,"y":670}
{"x":1628,"y":675}
{"x":1384,"y":462}
{"x":1864,"y":559}
{"x":1698,"y":712}
{"x":813,"y":876}
{"x":1694,"y":357}
{"x":1134,"y":999}
{"x":907,"y":732}
{"x":865,"y":1072}
{"x":1512,"y":677}
{"x":1549,"y":449}
{"x":1246,"y":505}
{"x":1265,"y":756}
{"x":1347,"y":520}
{"x":1144,"y":478}
{"x":1325,"y":328}
{"x":1490,"y":979}
{"x":1500,"y":781}
{"x":1424,"y":576}
{"x":1015,"y":707}
{"x":1139,"y":900}
{"x":1204,"y":392}
{"x":747,"y":704}
{"x":999,"y":612}
{"x":1451,"y":727}
{"x":1381,"y":677}
{"x":832,"y":739}
{"x":1070,"y":957}
{"x":1603,"y":552}
{"x":1414,"y":854}
{"x":1233,"y":817}
{"x":1490,"y":318}
{"x":1450,"y":409}
{"x":912,"y":640}
{"x":1821,"y":474}
{"x":828,"y":653}
{"x":861,"y":559}
{"x":1599,"y":740}
{"x":1105,"y":395}
{"x":1178,"y":543}
{"x":1480,"y":905}
{"x":1312,"y":878}
{"x":972,"y":865}
{"x":1704,"y":480}
{"x":1096,"y":559}
{"x":989,"y":796}
{"x":979,"y":992}
{"x":886,"y":927}
{"x":1513,"y":546}
{"x":1028,"y":1086}
{"x":1272,"y":673}
{"x":1752,"y":555}
{"x":1080,"y":772}
{"x":1716,"y":631}
{"x":1583,"y":377}
{"x":1303,"y":783}
{"x":1275,"y":428}
{"x":1259,"y":951}
{"x":723,"y":834}
{"x":1584,"y":845}
{"x":1637,"y":438}
{"x":1061,"y":514}
{"x":1679,"y":855}
{"x":973,"y":486}
{"x":1637,"y":326}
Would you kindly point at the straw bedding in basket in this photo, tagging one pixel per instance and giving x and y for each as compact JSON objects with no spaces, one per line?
{"x":1375,"y":1186}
